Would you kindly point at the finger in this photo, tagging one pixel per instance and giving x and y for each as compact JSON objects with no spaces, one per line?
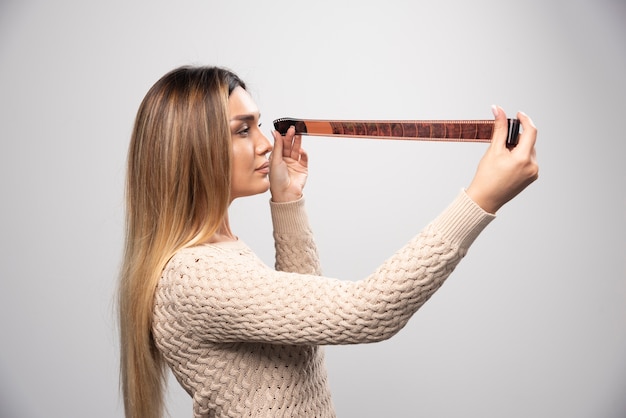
{"x":304,"y":158}
{"x":277,"y":151}
{"x":296,"y":146}
{"x":500,"y":128}
{"x":528,"y":138}
{"x":288,"y":141}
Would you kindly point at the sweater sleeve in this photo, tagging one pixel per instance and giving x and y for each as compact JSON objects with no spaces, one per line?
{"x":230,"y":296}
{"x":295,"y":246}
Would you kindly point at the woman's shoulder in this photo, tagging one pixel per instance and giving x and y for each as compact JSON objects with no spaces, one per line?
{"x":208,"y":251}
{"x":211,"y":256}
{"x":209,"y":263}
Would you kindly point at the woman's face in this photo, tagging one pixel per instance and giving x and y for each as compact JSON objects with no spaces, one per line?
{"x":250,"y":166}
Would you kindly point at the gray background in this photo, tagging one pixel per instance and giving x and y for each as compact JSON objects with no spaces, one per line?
{"x":532,"y":323}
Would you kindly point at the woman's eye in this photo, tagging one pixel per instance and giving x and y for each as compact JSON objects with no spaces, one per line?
{"x":244,"y":131}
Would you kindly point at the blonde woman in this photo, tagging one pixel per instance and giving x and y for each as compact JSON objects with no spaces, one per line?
{"x":244,"y":339}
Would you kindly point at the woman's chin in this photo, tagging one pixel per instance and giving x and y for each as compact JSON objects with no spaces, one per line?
{"x":251,"y":192}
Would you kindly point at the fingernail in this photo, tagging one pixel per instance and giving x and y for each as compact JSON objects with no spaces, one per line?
{"x":494,"y":110}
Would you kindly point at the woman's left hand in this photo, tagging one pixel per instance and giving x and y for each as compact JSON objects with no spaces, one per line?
{"x":288,"y":167}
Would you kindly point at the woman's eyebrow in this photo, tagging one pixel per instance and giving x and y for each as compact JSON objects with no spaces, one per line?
{"x":246,"y":117}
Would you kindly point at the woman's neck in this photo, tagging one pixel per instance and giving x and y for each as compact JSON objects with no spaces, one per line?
{"x":223,"y":233}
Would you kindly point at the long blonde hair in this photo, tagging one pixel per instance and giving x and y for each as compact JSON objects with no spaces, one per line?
{"x":177,"y":195}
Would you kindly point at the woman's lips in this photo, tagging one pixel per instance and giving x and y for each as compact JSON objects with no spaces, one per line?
{"x":264,"y":168}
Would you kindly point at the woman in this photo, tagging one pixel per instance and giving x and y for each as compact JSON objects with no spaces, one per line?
{"x":244,"y":339}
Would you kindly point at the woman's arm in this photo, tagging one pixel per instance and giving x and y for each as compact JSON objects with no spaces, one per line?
{"x":294,"y":243}
{"x":225,"y":295}
{"x":232,"y":297}
{"x":293,"y":238}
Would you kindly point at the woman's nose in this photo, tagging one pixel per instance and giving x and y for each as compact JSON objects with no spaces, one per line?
{"x":264,"y":145}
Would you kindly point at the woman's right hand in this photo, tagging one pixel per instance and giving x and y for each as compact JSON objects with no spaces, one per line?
{"x":289,"y":167}
{"x":504,"y":172}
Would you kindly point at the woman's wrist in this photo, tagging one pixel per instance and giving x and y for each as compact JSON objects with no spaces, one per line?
{"x":482,"y":200}
{"x":285,"y":197}
{"x":289,"y":217}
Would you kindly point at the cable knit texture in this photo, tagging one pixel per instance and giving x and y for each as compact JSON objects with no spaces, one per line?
{"x":244,"y":339}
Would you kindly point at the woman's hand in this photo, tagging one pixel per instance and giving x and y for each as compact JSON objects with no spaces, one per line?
{"x":288,"y":167}
{"x":502,"y":172}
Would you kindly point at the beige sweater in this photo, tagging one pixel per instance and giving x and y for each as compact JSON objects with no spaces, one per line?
{"x":244,"y":339}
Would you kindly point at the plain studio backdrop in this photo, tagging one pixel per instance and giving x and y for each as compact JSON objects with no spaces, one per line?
{"x":531,"y":324}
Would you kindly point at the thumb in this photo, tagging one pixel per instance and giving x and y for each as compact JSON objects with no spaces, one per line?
{"x":500,"y":129}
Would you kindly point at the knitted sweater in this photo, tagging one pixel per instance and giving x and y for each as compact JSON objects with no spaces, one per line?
{"x":244,"y":339}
